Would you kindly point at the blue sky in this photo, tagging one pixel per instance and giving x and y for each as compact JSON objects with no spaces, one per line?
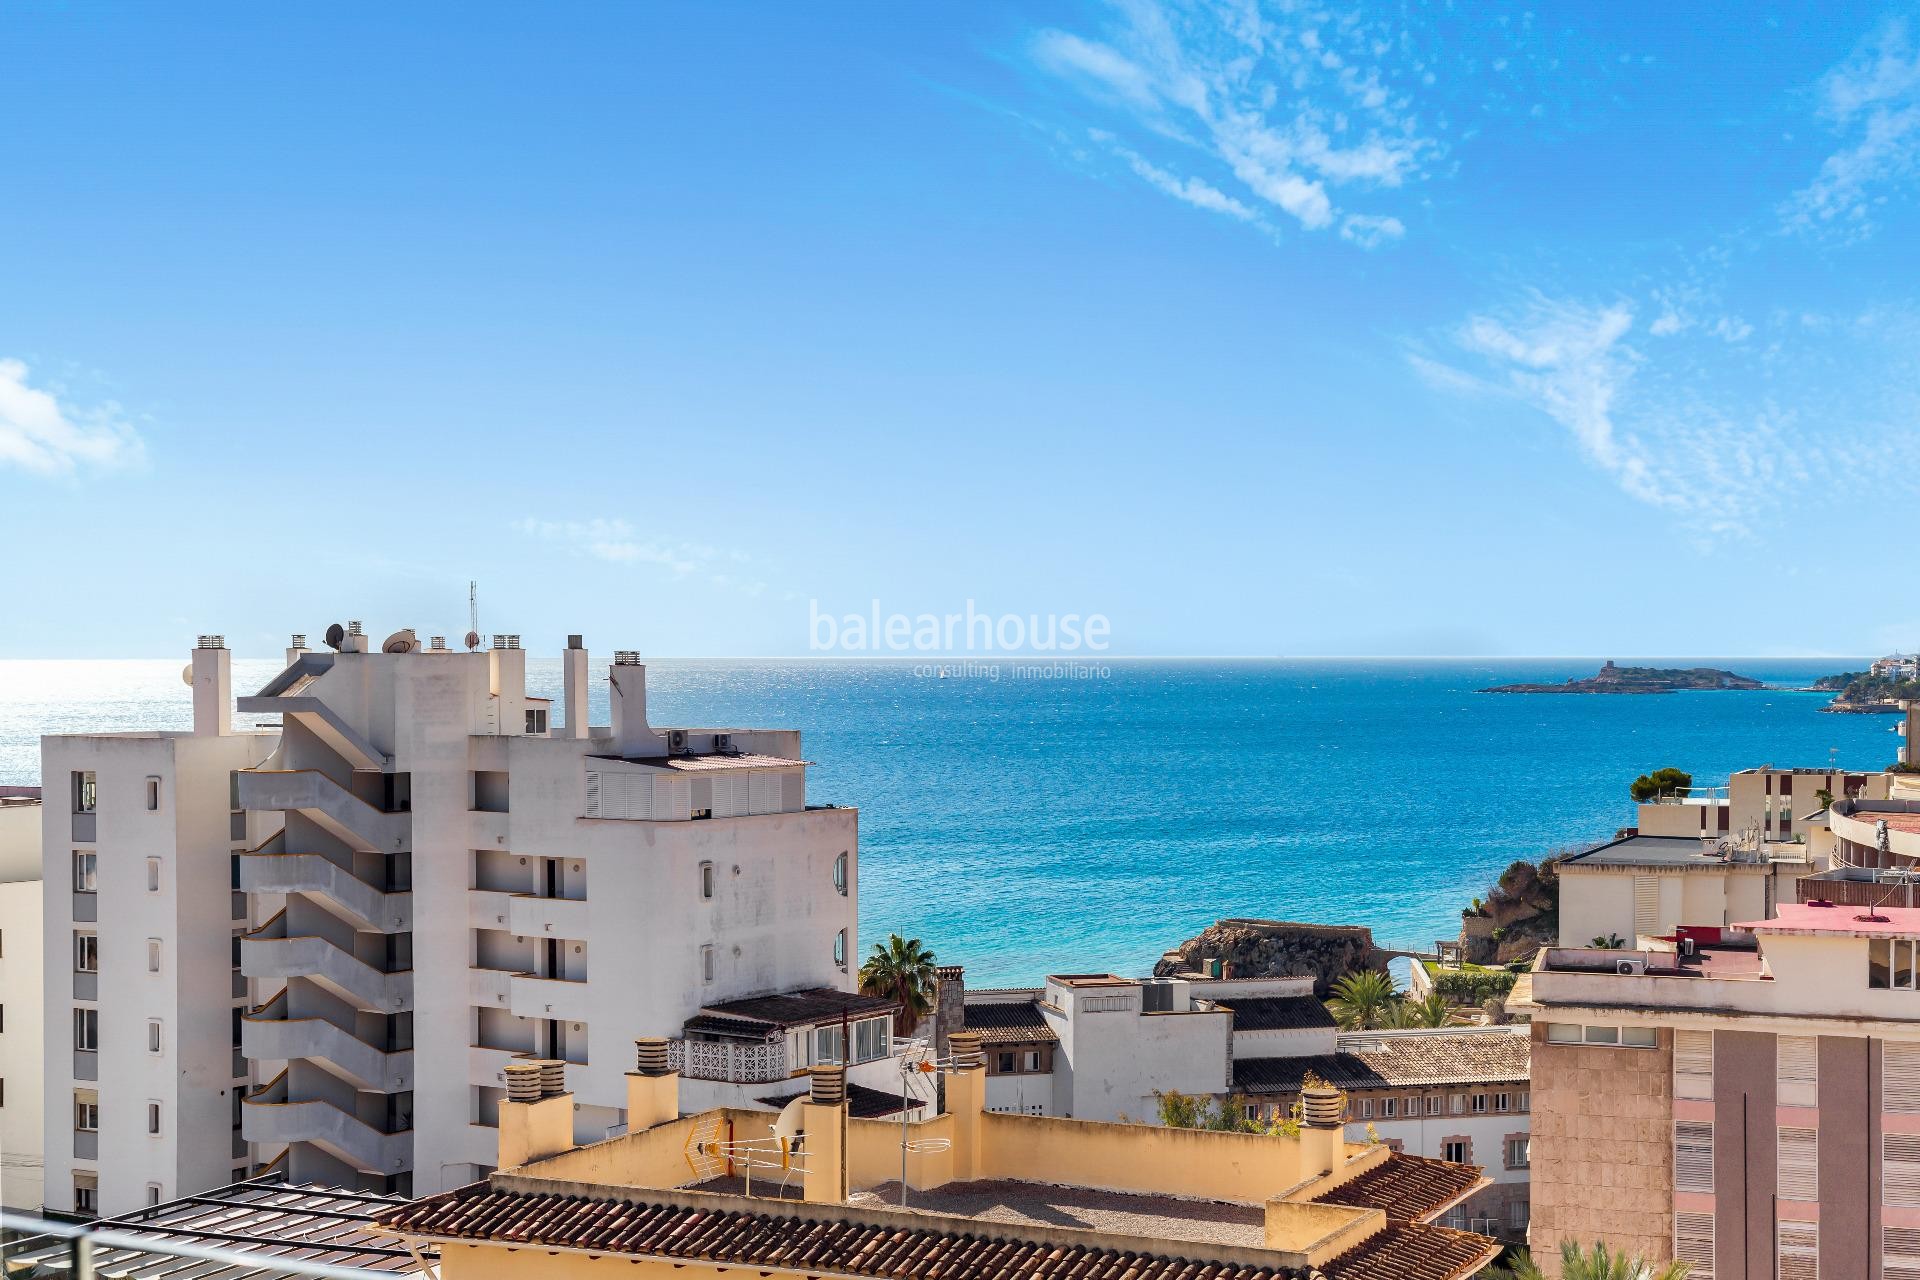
{"x":1255,"y":329}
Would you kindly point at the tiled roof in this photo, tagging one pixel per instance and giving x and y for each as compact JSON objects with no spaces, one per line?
{"x":1408,"y":1188}
{"x":1010,"y":1024}
{"x":710,"y":763}
{"x":863,"y":1103}
{"x":882,"y":1247}
{"x":1277,"y":1013}
{"x":1465,"y":1057}
{"x":801,"y":1008}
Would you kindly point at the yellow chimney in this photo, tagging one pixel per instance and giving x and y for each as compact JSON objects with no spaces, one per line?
{"x":536,"y":1120}
{"x":653,"y":1088}
{"x":967,"y":1101}
{"x":823,"y":1120}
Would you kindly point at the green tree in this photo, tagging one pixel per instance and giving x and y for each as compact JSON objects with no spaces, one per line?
{"x":1363,"y":1001}
{"x":1598,"y":1263}
{"x":1660,"y":782}
{"x":902,"y":970}
{"x":1609,"y":942}
{"x":1430,"y":1010}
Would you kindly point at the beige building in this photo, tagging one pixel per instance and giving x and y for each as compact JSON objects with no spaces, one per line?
{"x":819,"y":1193}
{"x":22,"y":1140}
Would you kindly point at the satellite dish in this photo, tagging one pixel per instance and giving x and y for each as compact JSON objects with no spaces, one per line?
{"x":473,"y":640}
{"x":401,"y":641}
{"x":336,"y":636}
{"x":788,"y":1126}
{"x":186,"y":675}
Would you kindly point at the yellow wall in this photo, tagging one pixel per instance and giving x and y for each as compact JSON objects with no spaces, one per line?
{"x":1146,"y":1158}
{"x":492,"y":1262}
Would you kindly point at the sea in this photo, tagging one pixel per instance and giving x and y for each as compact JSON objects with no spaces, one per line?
{"x":1028,"y":817}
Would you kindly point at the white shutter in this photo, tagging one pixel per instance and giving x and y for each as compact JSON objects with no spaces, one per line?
{"x":1799,"y":1164}
{"x":1693,"y":1244}
{"x":1900,"y":1170}
{"x":619,"y":795}
{"x":1900,"y":1253}
{"x":1798,"y":1073}
{"x":1799,"y":1252}
{"x":593,"y":793}
{"x":1646,"y":905}
{"x":763,"y":791}
{"x":1693,"y":1064}
{"x":1900,"y":1077}
{"x":1693,"y":1155}
{"x":729,"y":797}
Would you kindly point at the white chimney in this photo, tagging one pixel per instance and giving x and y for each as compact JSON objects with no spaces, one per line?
{"x":627,"y":691}
{"x":296,"y":649}
{"x":212,"y":687}
{"x":574,"y":669}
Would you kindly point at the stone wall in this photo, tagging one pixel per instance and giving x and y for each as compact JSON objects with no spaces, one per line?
{"x":1277,"y":949}
{"x":1602,"y":1150}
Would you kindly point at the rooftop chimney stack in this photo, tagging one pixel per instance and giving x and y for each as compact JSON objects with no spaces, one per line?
{"x":633,"y":737}
{"x":574,"y":668}
{"x":212,"y":687}
{"x":1323,"y":1139}
{"x":967,"y":1100}
{"x":823,"y":1119}
{"x":653,"y":1089}
{"x":355,"y":641}
{"x":296,"y":649}
{"x":536,"y":1119}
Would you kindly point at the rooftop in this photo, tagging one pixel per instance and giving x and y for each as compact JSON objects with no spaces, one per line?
{"x":710,"y":762}
{"x":1678,"y":853}
{"x":1839,"y":921}
{"x":1010,"y":1023}
{"x":863,"y":1103}
{"x":786,"y":1009}
{"x":1387,"y":1059}
{"x":1277,"y":1013}
{"x":263,"y":1221}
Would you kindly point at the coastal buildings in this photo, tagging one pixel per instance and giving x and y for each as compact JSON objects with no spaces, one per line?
{"x":22,"y":1136}
{"x":1746,"y":1103}
{"x":1896,"y":666}
{"x":987,"y":1194}
{"x":1760,"y":805}
{"x":425,"y":865}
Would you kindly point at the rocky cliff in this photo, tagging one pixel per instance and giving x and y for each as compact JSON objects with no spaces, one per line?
{"x":1516,"y":919}
{"x":1277,"y":949}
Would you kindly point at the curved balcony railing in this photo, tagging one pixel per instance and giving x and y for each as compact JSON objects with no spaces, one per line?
{"x":1859,"y":821}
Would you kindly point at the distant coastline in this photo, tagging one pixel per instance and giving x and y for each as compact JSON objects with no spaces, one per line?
{"x":1617,"y":679}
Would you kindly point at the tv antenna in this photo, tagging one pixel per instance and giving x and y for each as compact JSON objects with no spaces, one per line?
{"x":917,"y":1061}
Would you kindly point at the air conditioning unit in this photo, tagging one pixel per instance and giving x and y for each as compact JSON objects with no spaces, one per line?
{"x":1688,"y":946}
{"x":723,"y":742}
{"x":1625,"y":968}
{"x":676,"y":742}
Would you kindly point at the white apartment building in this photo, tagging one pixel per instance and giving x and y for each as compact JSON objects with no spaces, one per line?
{"x":143,"y":998}
{"x":22,"y":1140}
{"x":434,"y":871}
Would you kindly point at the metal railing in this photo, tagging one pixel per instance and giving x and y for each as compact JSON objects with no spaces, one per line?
{"x":77,"y":1245}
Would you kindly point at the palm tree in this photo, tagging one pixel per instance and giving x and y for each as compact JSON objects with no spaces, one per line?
{"x":903,"y":970}
{"x":1599,"y":1263}
{"x":1363,"y":1001}
{"x":1431,"y":1010}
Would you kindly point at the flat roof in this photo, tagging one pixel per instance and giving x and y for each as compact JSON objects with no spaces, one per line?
{"x":1466,"y":1057}
{"x":1677,"y":852}
{"x":1804,"y":918}
{"x":790,"y":1009}
{"x":711,"y":762}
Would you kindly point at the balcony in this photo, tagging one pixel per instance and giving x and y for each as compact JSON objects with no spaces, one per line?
{"x":533,"y":917}
{"x":737,"y":1062}
{"x":323,"y":722}
{"x":267,"y":1117}
{"x":489,"y":988}
{"x":342,"y":814}
{"x":269,"y":953}
{"x":314,"y":874}
{"x":1860,"y":820}
{"x":270,"y":1034}
{"x":531,"y":997}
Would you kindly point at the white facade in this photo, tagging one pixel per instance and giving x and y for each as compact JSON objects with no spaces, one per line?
{"x":22,"y":1135}
{"x":143,"y":1073}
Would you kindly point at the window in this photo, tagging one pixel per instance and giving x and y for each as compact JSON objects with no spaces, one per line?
{"x":239,"y":1015}
{"x":1366,"y":1108}
{"x":1797,"y":1071}
{"x":86,"y":871}
{"x":1479,"y":1104}
{"x":1799,"y":1252}
{"x":1574,"y":1033}
{"x":1516,"y":1153}
{"x":153,"y":795}
{"x":536,"y":719}
{"x":706,"y":880}
{"x":1563,"y":1033}
{"x":1388,"y":1108}
{"x":153,"y":1119}
{"x":1693,"y":1064}
{"x":1603,"y":1035}
{"x":1032,"y":1062}
{"x":86,"y":1111}
{"x":1434,"y":1105}
{"x":153,"y":875}
{"x":86,"y":1030}
{"x":86,"y":952}
{"x":1638,"y":1037}
{"x":1456,"y":1150}
{"x":706,"y":964}
{"x":870,"y":1039}
{"x":1526,"y":1101}
{"x":1503,"y":1102}
{"x":154,"y":1036}
{"x":1457,"y":1104}
{"x":1693,"y":1155}
{"x":826,"y":1045}
{"x":1798,"y":1163}
{"x":86,"y":1194}
{"x":153,"y":955}
{"x":1006,"y":1064}
{"x":840,"y":875}
{"x":840,"y":948}
{"x":85,"y":793}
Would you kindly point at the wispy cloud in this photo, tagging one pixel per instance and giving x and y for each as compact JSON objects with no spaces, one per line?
{"x":41,"y":434}
{"x":618,"y":542}
{"x":1873,"y":101}
{"x":1292,"y":106}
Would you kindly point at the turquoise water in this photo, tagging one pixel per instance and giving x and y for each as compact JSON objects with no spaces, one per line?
{"x":1023,"y":826}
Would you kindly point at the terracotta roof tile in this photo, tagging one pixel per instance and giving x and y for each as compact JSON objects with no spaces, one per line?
{"x":1010,"y":1024}
{"x":1409,"y":1188}
{"x":1277,"y":1013}
{"x":1411,"y":1249}
{"x":1463,"y":1057}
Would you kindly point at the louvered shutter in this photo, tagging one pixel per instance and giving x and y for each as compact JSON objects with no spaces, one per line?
{"x":1693,"y":1244}
{"x":1799,"y":1252}
{"x":1798,"y":1071}
{"x":1900,"y":1077}
{"x":1900,"y":1170}
{"x":593,"y":793}
{"x":1693,"y":1155}
{"x":1646,"y":905}
{"x":1900,"y":1253}
{"x":1799,"y":1163}
{"x":763,"y":792}
{"x":1693,"y":1064}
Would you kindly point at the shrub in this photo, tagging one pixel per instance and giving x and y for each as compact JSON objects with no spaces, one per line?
{"x":1660,"y":782}
{"x":1473,"y":986}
